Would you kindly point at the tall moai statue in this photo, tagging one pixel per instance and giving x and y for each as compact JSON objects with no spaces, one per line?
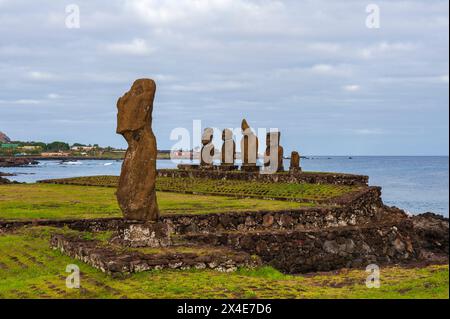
{"x":249,"y":148}
{"x":295,"y":162}
{"x":273,"y":156}
{"x":136,"y":190}
{"x":228,"y":153}
{"x":207,"y":151}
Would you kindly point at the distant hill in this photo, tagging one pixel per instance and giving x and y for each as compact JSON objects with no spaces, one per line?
{"x":4,"y":138}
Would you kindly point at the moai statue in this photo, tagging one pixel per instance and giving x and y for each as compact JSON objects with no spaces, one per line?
{"x":295,"y":162}
{"x":273,"y":156}
{"x":228,"y":154}
{"x":136,"y":190}
{"x":207,"y":152}
{"x":249,"y":148}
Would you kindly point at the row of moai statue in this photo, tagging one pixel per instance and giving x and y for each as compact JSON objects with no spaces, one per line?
{"x":273,"y":155}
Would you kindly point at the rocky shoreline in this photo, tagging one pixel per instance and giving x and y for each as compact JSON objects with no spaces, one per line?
{"x":16,"y":161}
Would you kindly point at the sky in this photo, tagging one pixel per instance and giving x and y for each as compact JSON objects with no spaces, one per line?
{"x":312,"y":69}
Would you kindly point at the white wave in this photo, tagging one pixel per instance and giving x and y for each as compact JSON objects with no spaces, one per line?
{"x":73,"y":163}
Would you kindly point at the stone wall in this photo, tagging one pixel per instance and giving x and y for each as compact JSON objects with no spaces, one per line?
{"x":362,"y":208}
{"x":285,"y":177}
{"x":322,"y":250}
{"x":119,"y":262}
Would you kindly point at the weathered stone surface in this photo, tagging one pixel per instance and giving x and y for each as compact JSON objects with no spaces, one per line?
{"x":249,"y":146}
{"x":136,"y":191}
{"x":322,"y":250}
{"x":273,"y":156}
{"x":207,"y":151}
{"x":432,"y":232}
{"x":144,"y":235}
{"x":117,"y":262}
{"x":228,"y":153}
{"x":293,"y":177}
{"x":295,"y":162}
{"x":363,"y":208}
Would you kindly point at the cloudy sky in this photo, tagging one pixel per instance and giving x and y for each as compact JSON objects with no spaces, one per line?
{"x":310,"y":68}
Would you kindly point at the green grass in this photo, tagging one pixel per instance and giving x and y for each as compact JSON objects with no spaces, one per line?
{"x":47,"y":201}
{"x":255,"y":189}
{"x":30,"y":269}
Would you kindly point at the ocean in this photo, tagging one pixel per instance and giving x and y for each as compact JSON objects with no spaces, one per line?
{"x":415,"y":184}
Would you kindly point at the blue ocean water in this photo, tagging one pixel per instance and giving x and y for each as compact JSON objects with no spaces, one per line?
{"x":416,"y":184}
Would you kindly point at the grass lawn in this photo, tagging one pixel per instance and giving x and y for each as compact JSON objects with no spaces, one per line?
{"x":29,"y":268}
{"x":48,"y":201}
{"x":279,"y":190}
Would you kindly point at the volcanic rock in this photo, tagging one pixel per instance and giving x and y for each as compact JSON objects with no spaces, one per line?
{"x":136,"y":190}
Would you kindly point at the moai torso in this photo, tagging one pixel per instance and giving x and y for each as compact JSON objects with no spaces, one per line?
{"x":207,"y":151}
{"x":295,"y":162}
{"x":136,"y":190}
{"x":228,"y":148}
{"x":273,"y":156}
{"x":249,"y":145}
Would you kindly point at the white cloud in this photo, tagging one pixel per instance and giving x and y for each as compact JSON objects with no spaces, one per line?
{"x":324,"y":47}
{"x":40,"y":76}
{"x":352,"y":87}
{"x":209,"y":86}
{"x":385,"y":48}
{"x":369,"y":131}
{"x":135,"y":47}
{"x":53,"y":96}
{"x":235,"y":14}
{"x":328,"y":69}
{"x":20,"y":101}
{"x":322,"y":68}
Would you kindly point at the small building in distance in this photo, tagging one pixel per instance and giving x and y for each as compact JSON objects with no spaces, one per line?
{"x":82,"y":148}
{"x":30,"y":148}
{"x":55,"y":154}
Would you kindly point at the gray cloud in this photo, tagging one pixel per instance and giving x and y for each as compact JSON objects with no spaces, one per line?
{"x":310,"y":68}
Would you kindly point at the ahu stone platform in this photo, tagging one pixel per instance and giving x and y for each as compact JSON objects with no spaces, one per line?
{"x":216,"y":172}
{"x":355,"y":234}
{"x":296,"y":241}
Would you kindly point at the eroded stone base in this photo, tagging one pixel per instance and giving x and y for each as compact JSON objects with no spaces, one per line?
{"x":143,"y":235}
{"x":250,"y":168}
{"x":115,"y":260}
{"x":307,"y":251}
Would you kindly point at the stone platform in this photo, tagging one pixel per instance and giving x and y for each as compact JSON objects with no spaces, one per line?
{"x":359,"y":232}
{"x":252,"y":174}
{"x":117,"y":261}
{"x":271,"y":239}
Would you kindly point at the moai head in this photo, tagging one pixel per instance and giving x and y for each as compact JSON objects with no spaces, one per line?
{"x":273,"y":138}
{"x":244,"y":126}
{"x":227,"y":134}
{"x":207,"y":136}
{"x":135,"y":107}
